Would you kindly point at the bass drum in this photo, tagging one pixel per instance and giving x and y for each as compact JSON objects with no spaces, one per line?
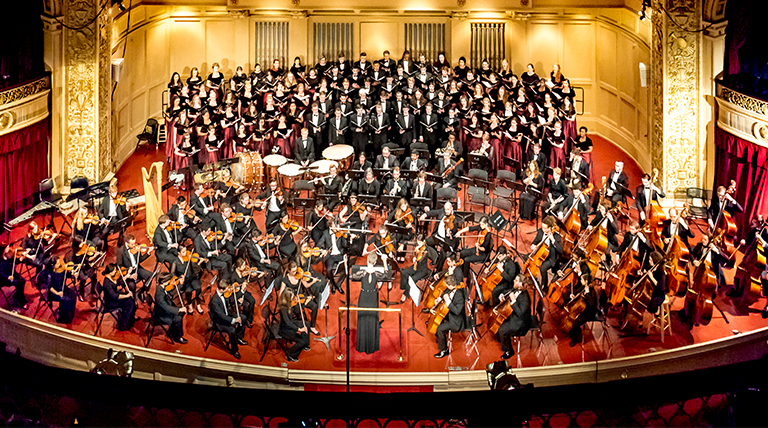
{"x":289,"y":174}
{"x":341,"y":153}
{"x":249,"y":170}
{"x":273,"y":162}
{"x":321,"y":168}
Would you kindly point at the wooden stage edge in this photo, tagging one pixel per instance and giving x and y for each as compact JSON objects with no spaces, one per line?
{"x":59,"y":347}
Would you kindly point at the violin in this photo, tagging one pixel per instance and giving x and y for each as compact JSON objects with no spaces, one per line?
{"x":172,"y":284}
{"x":341,"y":233}
{"x":236,"y":217}
{"x":206,"y":193}
{"x":63,"y":267}
{"x":448,"y":221}
{"x":140,"y":248}
{"x":18,"y":253}
{"x":421,"y":251}
{"x":234,"y":288}
{"x":406,"y":216}
{"x":46,"y":234}
{"x":302,"y":275}
{"x":386,"y":243}
{"x":266,"y":239}
{"x":480,"y":241}
{"x":87,"y":250}
{"x":193,"y":258}
{"x":312,"y":252}
{"x":214,"y":236}
{"x":91,"y":219}
{"x":359,"y":207}
{"x":119,"y":200}
{"x":174,"y":225}
{"x":175,"y":281}
{"x":291,"y":225}
{"x":233,"y":183}
{"x":300,"y":299}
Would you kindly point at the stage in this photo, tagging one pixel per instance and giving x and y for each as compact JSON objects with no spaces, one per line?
{"x":405,"y":361}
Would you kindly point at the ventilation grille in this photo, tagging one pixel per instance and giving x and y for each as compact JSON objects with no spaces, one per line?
{"x":487,"y":42}
{"x":427,"y":39}
{"x":330,"y":39}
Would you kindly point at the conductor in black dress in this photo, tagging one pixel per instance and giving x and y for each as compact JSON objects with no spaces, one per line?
{"x":368,"y":321}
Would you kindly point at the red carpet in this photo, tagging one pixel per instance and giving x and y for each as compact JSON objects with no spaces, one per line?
{"x":417,"y":351}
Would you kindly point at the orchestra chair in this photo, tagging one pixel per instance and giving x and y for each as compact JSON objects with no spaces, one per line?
{"x":476,"y":195}
{"x":271,"y":330}
{"x":470,"y":342}
{"x":214,"y":331}
{"x":78,"y":183}
{"x":149,"y":135}
{"x":698,"y":200}
{"x":603,"y":339}
{"x":45,"y":303}
{"x":102,"y":310}
{"x":45,"y":191}
{"x":661,"y":319}
{"x":154,"y":321}
{"x":446,"y":194}
{"x":504,"y":179}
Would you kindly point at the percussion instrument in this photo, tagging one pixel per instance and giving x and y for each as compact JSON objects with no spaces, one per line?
{"x":341,"y":153}
{"x":273,"y":162}
{"x":288,"y":174}
{"x":249,"y":170}
{"x":203,"y":177}
{"x":321,"y":168}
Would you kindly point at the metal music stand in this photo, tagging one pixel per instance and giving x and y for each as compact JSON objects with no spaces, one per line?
{"x":96,"y":191}
{"x":398,"y":151}
{"x":304,"y":204}
{"x":389,"y":200}
{"x":408,"y":174}
{"x":467,"y":181}
{"x":369,"y":199}
{"x":393,"y":228}
{"x":479,"y":161}
{"x":435,"y":178}
{"x":356,"y":174}
{"x":421,"y":202}
{"x":469,"y":216}
{"x":381,"y":172}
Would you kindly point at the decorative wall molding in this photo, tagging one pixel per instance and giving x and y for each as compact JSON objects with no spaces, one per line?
{"x":657,"y":86}
{"x":19,"y":94}
{"x":24,"y":112}
{"x":741,"y":115}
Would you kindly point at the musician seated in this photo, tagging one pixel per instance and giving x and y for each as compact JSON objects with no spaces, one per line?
{"x":708,"y":251}
{"x":332,"y":186}
{"x":337,"y":243}
{"x":420,"y":267}
{"x":10,"y":278}
{"x":452,"y":263}
{"x":548,"y":233}
{"x":583,"y":290}
{"x":518,"y":323}
{"x":385,"y":160}
{"x":361,"y":164}
{"x":225,"y":319}
{"x":443,"y":237}
{"x":202,"y":202}
{"x":272,"y":199}
{"x":676,"y":226}
{"x":382,"y":244}
{"x":292,"y":326}
{"x":645,"y":194}
{"x":284,"y":233}
{"x":59,"y":292}
{"x":488,"y":154}
{"x":452,"y":144}
{"x":509,"y":271}
{"x":167,"y":311}
{"x":448,"y":169}
{"x":576,"y":200}
{"x":413,"y":163}
{"x":455,"y":320}
{"x":422,"y":189}
{"x":114,"y":213}
{"x":483,"y":245}
{"x":318,"y":221}
{"x":369,"y":185}
{"x":396,"y":186}
{"x":605,"y":217}
{"x":659,"y":280}
{"x":187,"y":267}
{"x":181,"y":213}
{"x":130,"y":256}
{"x":557,"y":189}
{"x":226,"y":188}
{"x":529,"y":198}
{"x":166,"y":246}
{"x":304,"y":285}
{"x":306,"y":258}
{"x":85,"y":228}
{"x":242,"y":276}
{"x":616,"y":188}
{"x":258,"y":253}
{"x":207,"y":245}
{"x":117,"y":295}
{"x":404,"y":218}
{"x":84,"y":260}
{"x":39,"y":242}
{"x":231,"y":225}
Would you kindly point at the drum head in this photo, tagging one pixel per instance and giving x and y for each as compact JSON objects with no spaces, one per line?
{"x":275,"y":160}
{"x":290,"y":169}
{"x":322,"y":167}
{"x":338,"y":152}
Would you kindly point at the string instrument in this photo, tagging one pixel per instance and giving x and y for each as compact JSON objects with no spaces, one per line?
{"x":86,"y":250}
{"x":300,"y":299}
{"x":594,"y":243}
{"x":233,"y":289}
{"x":480,"y":241}
{"x":359,"y":207}
{"x":616,"y":284}
{"x":46,"y":234}
{"x":206,"y":193}
{"x":17,"y":253}
{"x":451,"y":168}
{"x":502,"y":311}
{"x":677,"y":263}
{"x":341,"y":233}
{"x":557,"y":290}
{"x":437,"y":287}
{"x":448,"y":222}
{"x":749,"y":271}
{"x":235,"y":217}
{"x":312,"y":252}
{"x":536,"y":258}
{"x":119,"y":200}
{"x":215,"y":236}
{"x":572,"y":224}
{"x":603,"y":188}
{"x":193,"y":258}
{"x":140,"y":248}
{"x":639,"y":298}
{"x":698,"y":302}
{"x":573,"y":310}
{"x":654,"y":218}
{"x":63,"y":267}
{"x":438,"y":314}
{"x":91,"y":219}
{"x":291,"y":225}
{"x":489,"y":278}
{"x":725,"y":233}
{"x":386,"y":244}
{"x":302,"y":275}
{"x":421,"y":251}
{"x":174,"y":225}
{"x":176,"y":299}
{"x":266,"y":239}
{"x":406,"y":216}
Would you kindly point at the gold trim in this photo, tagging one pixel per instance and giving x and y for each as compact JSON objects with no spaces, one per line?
{"x":27,"y":90}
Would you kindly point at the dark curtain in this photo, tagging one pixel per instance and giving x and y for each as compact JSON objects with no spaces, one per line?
{"x":21,"y":43}
{"x":745,"y":162}
{"x":23,"y":164}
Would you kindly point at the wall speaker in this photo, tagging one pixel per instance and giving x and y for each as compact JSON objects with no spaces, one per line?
{"x":117,"y":69}
{"x":643,"y":75}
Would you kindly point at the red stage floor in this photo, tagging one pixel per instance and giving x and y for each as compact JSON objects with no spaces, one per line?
{"x":417,"y":350}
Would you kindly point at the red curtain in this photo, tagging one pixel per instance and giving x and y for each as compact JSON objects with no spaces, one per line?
{"x":23,"y":164}
{"x":745,"y":162}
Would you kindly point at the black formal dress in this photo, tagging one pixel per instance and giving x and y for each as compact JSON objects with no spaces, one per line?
{"x":368,"y":322}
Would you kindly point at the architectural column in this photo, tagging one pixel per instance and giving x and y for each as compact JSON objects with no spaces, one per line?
{"x":712,"y":57}
{"x":675,"y":80}
{"x":78,"y":43}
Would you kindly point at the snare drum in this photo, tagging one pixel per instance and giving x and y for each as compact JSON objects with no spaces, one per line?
{"x":321,"y":168}
{"x":273,"y":162}
{"x":289,"y":174}
{"x":249,"y":170}
{"x":341,"y":153}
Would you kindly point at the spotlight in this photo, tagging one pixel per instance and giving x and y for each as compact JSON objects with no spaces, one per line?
{"x":121,"y":7}
{"x":642,"y":14}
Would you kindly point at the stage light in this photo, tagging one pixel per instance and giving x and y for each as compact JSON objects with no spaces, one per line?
{"x":501,"y":377}
{"x":642,"y":14}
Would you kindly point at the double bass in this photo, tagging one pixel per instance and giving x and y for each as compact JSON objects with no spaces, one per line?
{"x":698,"y":302}
{"x":654,"y":219}
{"x":572,"y":224}
{"x":678,"y":259}
{"x":616,"y":283}
{"x":748,"y":273}
{"x":639,"y":298}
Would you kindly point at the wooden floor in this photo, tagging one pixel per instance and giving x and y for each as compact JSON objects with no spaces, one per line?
{"x":551,"y":347}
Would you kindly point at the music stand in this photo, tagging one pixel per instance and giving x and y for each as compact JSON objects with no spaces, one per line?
{"x":421,"y":202}
{"x":369,"y":199}
{"x":424,"y":154}
{"x":393,"y":228}
{"x":408,"y":174}
{"x":304,"y":204}
{"x":389,"y":200}
{"x":381,"y":172}
{"x":466,"y":215}
{"x":481,"y":161}
{"x":434,"y":178}
{"x":356,"y":174}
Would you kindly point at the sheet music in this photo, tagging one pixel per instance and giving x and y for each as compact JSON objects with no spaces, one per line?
{"x":267,"y":293}
{"x":414,"y":292}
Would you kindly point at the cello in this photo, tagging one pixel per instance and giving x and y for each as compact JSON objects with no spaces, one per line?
{"x":437,"y":314}
{"x":434,"y":290}
{"x":616,"y":283}
{"x":537,"y":257}
{"x":489,"y":278}
{"x":677,"y":262}
{"x":572,"y":224}
{"x":748,"y":273}
{"x":503,"y":310}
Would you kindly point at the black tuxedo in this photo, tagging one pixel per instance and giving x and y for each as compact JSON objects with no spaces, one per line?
{"x":333,"y":260}
{"x":552,"y":260}
{"x":406,"y":124}
{"x":567,"y":204}
{"x":452,"y":178}
{"x":715,"y":205}
{"x":392,"y":161}
{"x":582,"y":171}
{"x":380,"y":138}
{"x":334,"y":129}
{"x":112,"y":300}
{"x":683,"y":232}
{"x":456,"y":319}
{"x":359,"y":138}
{"x":518,"y":323}
{"x":311,"y":123}
{"x":224,"y":320}
{"x":618,"y":185}
{"x":407,"y":163}
{"x":305,"y":149}
{"x":206,"y":249}
{"x":161,"y":241}
{"x":641,"y":203}
{"x":125,"y":259}
{"x":428,"y":128}
{"x":168,"y":314}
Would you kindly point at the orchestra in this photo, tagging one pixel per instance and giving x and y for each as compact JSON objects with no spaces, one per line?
{"x":237,"y":233}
